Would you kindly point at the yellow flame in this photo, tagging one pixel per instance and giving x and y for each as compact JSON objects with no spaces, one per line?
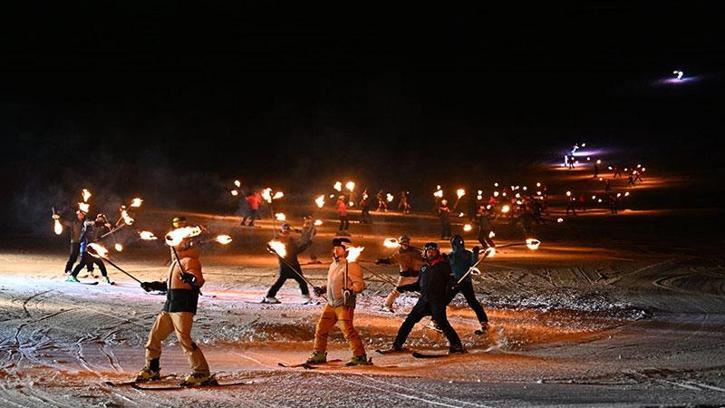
{"x":235,"y":193}
{"x":97,"y":250}
{"x":58,"y":227}
{"x":353,"y":253}
{"x":438,"y":193}
{"x":237,"y":183}
{"x":320,"y":201}
{"x":538,"y":184}
{"x":223,"y":239}
{"x":136,"y":202}
{"x":467,"y":227}
{"x":391,"y":243}
{"x":559,"y":220}
{"x":495,"y":193}
{"x":491,"y":234}
{"x":568,"y":193}
{"x":280,"y":217}
{"x":318,"y":222}
{"x":532,"y":243}
{"x":118,"y":247}
{"x":86,"y":195}
{"x":278,"y":195}
{"x":460,"y":192}
{"x":147,"y":235}
{"x":278,"y":247}
{"x":267,"y":194}
{"x":85,"y":207}
{"x":175,"y":237}
{"x":505,"y":209}
{"x":337,"y":186}
{"x":390,"y":198}
{"x":350,"y":185}
{"x":126,"y":218}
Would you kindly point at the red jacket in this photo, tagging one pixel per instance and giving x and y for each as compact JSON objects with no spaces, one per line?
{"x":254,"y":201}
{"x":341,"y":208}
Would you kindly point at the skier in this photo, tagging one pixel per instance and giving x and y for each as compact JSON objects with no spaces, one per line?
{"x":289,"y":265}
{"x":435,"y":283}
{"x":404,"y":204}
{"x":182,"y":295}
{"x":341,"y":208}
{"x":382,"y":204}
{"x":75,"y":227}
{"x":365,"y":205}
{"x":443,"y":215}
{"x":344,"y":282}
{"x":253,"y":202}
{"x":410,"y":261}
{"x":91,"y":233}
{"x":483,"y":221}
{"x":309,"y":230}
{"x":461,"y":260}
{"x":571,"y":205}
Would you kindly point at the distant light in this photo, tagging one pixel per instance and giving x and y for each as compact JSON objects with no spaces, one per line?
{"x":678,"y":74}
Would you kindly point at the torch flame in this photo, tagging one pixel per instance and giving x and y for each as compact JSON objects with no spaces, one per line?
{"x":118,"y":247}
{"x":467,"y":227}
{"x":237,"y":183}
{"x":235,"y":193}
{"x":147,"y":235}
{"x":318,"y":222}
{"x":85,"y":207}
{"x":136,"y":202}
{"x":175,"y":237}
{"x":320,"y":201}
{"x":337,"y":186}
{"x":350,"y":185}
{"x":97,"y":250}
{"x":223,"y":239}
{"x":491,"y":234}
{"x":86,"y":195}
{"x":58,"y":227}
{"x":505,"y":209}
{"x":460,"y":192}
{"x":126,"y":218}
{"x":278,"y":247}
{"x":495,"y":193}
{"x":559,"y":220}
{"x":353,"y":253}
{"x":438,"y":193}
{"x":390,"y":198}
{"x":532,"y":243}
{"x":391,"y":243}
{"x":267,"y":194}
{"x":278,"y":195}
{"x":280,"y":217}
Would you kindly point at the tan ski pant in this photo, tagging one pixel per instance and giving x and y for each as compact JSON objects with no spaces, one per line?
{"x":180,"y":323}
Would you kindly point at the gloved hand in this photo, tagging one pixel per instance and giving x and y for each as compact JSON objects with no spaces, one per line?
{"x":476,"y":249}
{"x":149,"y":286}
{"x":319,"y":291}
{"x":189,"y":278}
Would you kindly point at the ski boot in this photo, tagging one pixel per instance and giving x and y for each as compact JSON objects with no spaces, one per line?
{"x":107,"y":280}
{"x":359,"y":360}
{"x":152,"y":372}
{"x":482,"y":330}
{"x":196,"y":378}
{"x":459,"y":349}
{"x":317,"y":357}
{"x":270,"y":299}
{"x":388,"y":309}
{"x":72,"y":278}
{"x":307,"y":299}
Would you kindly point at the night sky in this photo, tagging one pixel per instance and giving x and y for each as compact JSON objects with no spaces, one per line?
{"x":134,"y":96}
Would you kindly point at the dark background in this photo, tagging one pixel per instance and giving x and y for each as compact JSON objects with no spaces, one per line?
{"x":173,"y":100}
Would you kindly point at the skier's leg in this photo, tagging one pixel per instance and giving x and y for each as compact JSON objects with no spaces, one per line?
{"x":390,"y":300}
{"x":345,"y":316}
{"x":101,"y":266}
{"x":84,"y":261}
{"x":470,"y":295}
{"x":182,"y":322}
{"x":419,"y":311}
{"x":322,"y":330}
{"x":438,"y":312}
{"x":75,"y":249}
{"x":303,"y":285}
{"x":159,"y":331}
{"x":281,"y":278}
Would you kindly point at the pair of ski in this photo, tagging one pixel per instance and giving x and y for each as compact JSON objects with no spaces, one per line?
{"x":161,"y":385}
{"x":415,"y":354}
{"x":310,"y":366}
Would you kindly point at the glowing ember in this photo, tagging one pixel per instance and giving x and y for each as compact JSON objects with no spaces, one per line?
{"x":350,"y":185}
{"x":237,"y":183}
{"x":175,"y":237}
{"x":278,"y":195}
{"x":320,"y":201}
{"x":118,"y":247}
{"x":97,"y":250}
{"x":278,"y":247}
{"x":223,"y":239}
{"x":280,"y":217}
{"x":532,"y":243}
{"x":58,"y":227}
{"x":389,"y":197}
{"x":235,"y":193}
{"x":147,"y":235}
{"x":337,"y":186}
{"x":467,"y":227}
{"x":84,"y":207}
{"x":353,"y":253}
{"x":318,"y":222}
{"x":505,"y":209}
{"x":460,"y":192}
{"x":391,"y":243}
{"x":86,"y":195}
{"x":491,"y":234}
{"x":136,"y":202}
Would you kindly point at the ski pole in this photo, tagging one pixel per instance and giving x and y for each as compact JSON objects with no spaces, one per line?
{"x":97,"y":255}
{"x":272,"y":251}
